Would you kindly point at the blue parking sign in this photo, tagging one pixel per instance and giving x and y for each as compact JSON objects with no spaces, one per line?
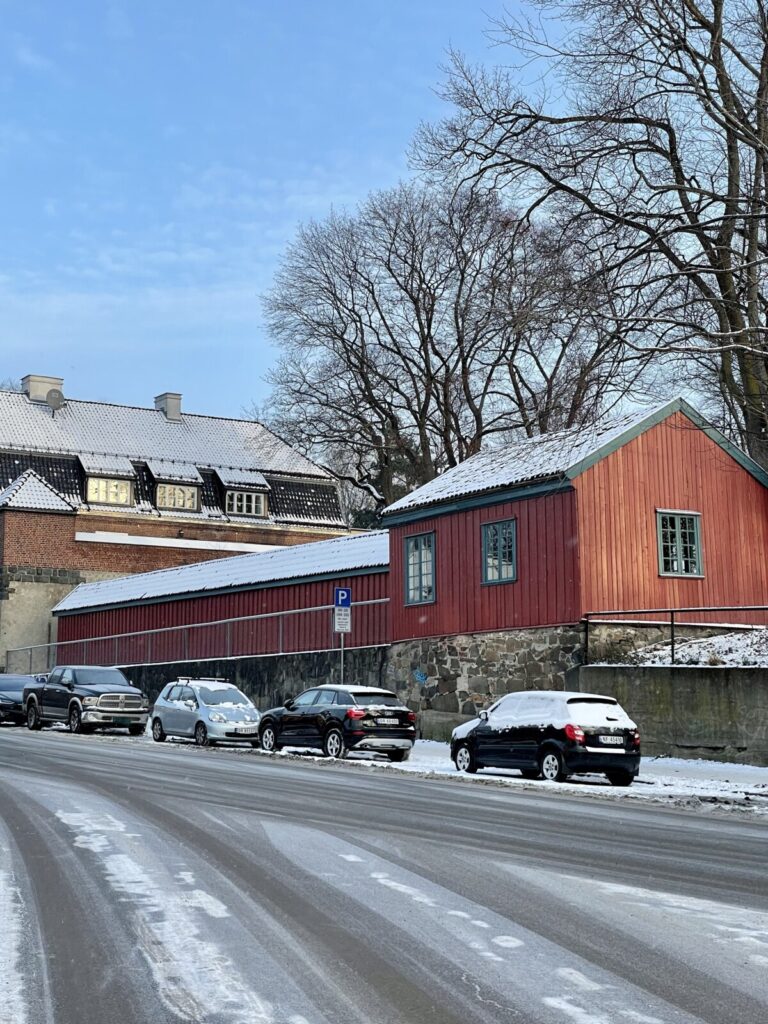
{"x":342,"y":597}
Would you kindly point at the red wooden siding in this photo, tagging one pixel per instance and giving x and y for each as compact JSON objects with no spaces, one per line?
{"x":546,"y":591}
{"x":674,"y":465}
{"x":306,"y":631}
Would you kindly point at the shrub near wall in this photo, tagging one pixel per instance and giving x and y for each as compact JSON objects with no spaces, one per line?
{"x":689,"y":711}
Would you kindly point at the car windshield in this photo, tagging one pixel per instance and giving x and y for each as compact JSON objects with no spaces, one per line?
{"x":211,"y":695}
{"x":370,"y":700}
{"x":101,"y":676}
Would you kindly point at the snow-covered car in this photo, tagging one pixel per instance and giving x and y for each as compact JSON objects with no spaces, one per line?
{"x":339,"y":719}
{"x":552,"y":734}
{"x":206,"y":710}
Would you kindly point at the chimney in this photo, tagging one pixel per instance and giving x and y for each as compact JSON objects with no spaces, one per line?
{"x":169,"y":403}
{"x":36,"y":387}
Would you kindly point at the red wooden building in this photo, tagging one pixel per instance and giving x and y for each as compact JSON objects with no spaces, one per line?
{"x":489,"y":568}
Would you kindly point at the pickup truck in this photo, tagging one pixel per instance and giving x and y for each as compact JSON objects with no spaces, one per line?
{"x":86,"y":697}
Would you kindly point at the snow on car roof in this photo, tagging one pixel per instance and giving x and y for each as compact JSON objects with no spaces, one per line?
{"x":321,"y":558}
{"x":352,"y":688}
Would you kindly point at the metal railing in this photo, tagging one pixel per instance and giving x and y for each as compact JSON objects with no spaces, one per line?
{"x":295,"y":631}
{"x":671,"y":620}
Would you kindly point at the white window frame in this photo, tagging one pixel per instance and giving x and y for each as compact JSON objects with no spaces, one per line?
{"x":177,"y":497}
{"x":236,"y":503}
{"x":106,"y":490}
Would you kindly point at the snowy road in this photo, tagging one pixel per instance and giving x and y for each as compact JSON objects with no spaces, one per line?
{"x":139,"y":883}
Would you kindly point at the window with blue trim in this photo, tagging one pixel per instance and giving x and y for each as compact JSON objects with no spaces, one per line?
{"x":500,"y":551}
{"x":420,"y":569}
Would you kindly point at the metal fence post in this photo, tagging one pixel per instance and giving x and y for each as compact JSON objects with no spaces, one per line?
{"x":586,"y":639}
{"x":229,"y":639}
{"x":672,"y":636}
{"x":280,"y":621}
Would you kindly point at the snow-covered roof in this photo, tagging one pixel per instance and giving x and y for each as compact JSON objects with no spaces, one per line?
{"x":301,"y":561}
{"x":142,"y":434}
{"x":559,"y":455}
{"x":31,"y":493}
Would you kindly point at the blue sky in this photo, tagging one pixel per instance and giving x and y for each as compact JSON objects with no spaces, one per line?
{"x":156,"y":157}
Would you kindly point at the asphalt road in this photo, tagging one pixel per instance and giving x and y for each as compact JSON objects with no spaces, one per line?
{"x":143,"y":883}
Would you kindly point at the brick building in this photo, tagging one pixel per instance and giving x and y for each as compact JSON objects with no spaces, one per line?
{"x":91,"y":490}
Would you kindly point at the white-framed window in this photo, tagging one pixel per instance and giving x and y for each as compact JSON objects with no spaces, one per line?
{"x":246,"y":503}
{"x":105,"y":490}
{"x":679,"y":540}
{"x":177,"y":496}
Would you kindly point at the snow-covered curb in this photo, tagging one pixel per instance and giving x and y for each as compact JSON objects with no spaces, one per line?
{"x":698,"y":785}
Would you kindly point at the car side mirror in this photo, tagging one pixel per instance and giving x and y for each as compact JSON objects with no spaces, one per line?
{"x":288,"y":704}
{"x":191,"y":704}
{"x":483,"y":716}
{"x":70,"y":685}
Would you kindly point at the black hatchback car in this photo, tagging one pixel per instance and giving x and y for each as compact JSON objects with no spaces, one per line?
{"x":552,"y":734}
{"x":339,"y":719}
{"x":12,"y":698}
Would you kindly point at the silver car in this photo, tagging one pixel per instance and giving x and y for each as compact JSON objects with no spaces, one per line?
{"x":206,"y":710}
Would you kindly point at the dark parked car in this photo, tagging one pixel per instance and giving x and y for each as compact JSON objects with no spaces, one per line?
{"x":552,"y":734}
{"x":339,"y":719}
{"x":86,"y":697}
{"x":12,"y":698}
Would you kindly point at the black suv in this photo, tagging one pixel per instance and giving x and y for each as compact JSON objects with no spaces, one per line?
{"x":339,"y":719}
{"x":12,"y":697}
{"x":553,"y":734}
{"x":86,"y":697}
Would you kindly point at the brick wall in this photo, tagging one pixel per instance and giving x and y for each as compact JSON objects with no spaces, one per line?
{"x":47,"y":540}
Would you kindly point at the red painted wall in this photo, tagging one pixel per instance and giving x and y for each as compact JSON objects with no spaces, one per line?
{"x":674,"y":465}
{"x":305,"y":632}
{"x":546,"y":591}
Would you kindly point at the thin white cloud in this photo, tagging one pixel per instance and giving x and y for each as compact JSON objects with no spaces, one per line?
{"x":31,"y":59}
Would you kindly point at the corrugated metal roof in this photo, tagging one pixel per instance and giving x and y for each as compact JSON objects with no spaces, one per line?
{"x":562,"y":454}
{"x":140,"y":434}
{"x":327,"y":557}
{"x":31,"y":493}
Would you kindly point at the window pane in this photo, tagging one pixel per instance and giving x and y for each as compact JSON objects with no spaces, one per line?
{"x":499,"y":551}
{"x":419,"y":569}
{"x":679,"y":545}
{"x":107,"y":491}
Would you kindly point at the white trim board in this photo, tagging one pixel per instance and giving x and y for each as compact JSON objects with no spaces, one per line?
{"x":141,"y":540}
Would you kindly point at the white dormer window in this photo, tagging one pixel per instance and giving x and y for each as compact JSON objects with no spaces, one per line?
{"x":177,"y":496}
{"x":104,"y":490}
{"x":246,"y":503}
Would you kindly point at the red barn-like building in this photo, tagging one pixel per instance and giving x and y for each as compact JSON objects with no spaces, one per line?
{"x":493,"y":564}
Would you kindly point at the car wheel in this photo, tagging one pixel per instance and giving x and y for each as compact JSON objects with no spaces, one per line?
{"x":530,"y":773}
{"x":75,"y":720}
{"x":399,"y":755}
{"x":620,"y":778}
{"x":465,"y":760}
{"x":268,"y":739}
{"x":334,"y":745}
{"x":201,"y":735}
{"x":158,"y":732}
{"x":34,"y":721}
{"x":551,"y":765}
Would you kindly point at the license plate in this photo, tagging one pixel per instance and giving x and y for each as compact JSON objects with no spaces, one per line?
{"x":614,"y":741}
{"x":387,"y":721}
{"x":123,"y":721}
{"x":246,"y":730}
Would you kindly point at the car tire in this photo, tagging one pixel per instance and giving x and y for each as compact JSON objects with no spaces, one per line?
{"x":268,"y":739}
{"x":201,"y":735}
{"x":620,"y":778}
{"x":158,"y":732}
{"x":551,"y":765}
{"x":530,"y":773}
{"x":34,"y":721}
{"x":398,"y":756}
{"x":75,"y":719}
{"x":465,"y":759}
{"x":334,"y":745}
{"x":136,"y":730}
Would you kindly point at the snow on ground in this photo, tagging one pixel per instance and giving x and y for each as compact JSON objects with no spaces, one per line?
{"x":742,"y":650}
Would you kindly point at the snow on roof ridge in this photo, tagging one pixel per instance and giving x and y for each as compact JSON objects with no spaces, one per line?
{"x":516,"y":462}
{"x":299,"y":561}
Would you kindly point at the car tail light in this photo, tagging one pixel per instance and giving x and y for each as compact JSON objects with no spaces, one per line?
{"x":411,"y":716}
{"x":575,"y":733}
{"x":355,"y":713}
{"x":635,"y":738}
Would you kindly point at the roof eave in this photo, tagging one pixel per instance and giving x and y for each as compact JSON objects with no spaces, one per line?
{"x":496,"y":497}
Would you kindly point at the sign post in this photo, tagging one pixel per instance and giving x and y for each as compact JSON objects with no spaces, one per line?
{"x":342,"y":619}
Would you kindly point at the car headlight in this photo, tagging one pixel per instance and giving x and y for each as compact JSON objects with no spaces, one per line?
{"x":90,"y":701}
{"x":216,"y":717}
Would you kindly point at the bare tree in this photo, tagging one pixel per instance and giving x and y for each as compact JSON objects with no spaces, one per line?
{"x":10,"y":384}
{"x":649,"y":124}
{"x":428,"y":323}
